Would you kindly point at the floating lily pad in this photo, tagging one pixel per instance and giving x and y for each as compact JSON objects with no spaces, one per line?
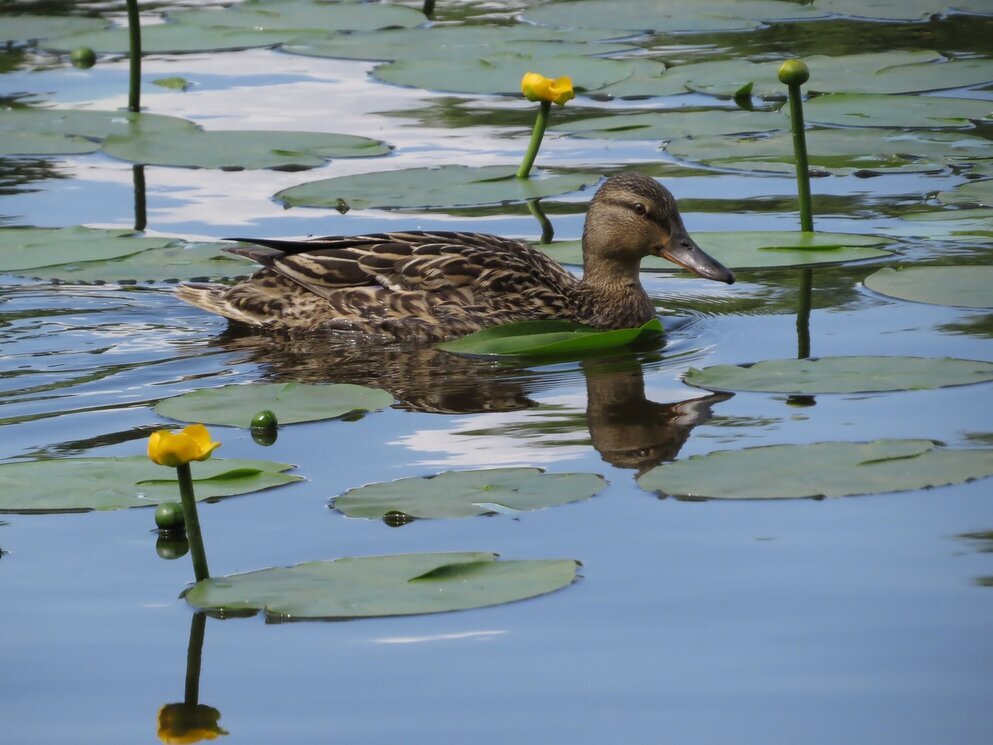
{"x":444,"y":186}
{"x":469,"y":493}
{"x":973,"y":192}
{"x":902,"y":10}
{"x":755,"y":249}
{"x":880,"y":110}
{"x":823,"y":469}
{"x":40,"y":143}
{"x":176,"y":38}
{"x":92,"y":124}
{"x":23,"y":249}
{"x":241,"y":149}
{"x":968,"y":224}
{"x":855,"y":374}
{"x":838,"y":151}
{"x":79,"y":484}
{"x":299,"y":14}
{"x":548,"y":338}
{"x":962,"y":286}
{"x":372,"y":586}
{"x":17,"y":28}
{"x":234,"y":405}
{"x":173,"y":83}
{"x":668,"y":125}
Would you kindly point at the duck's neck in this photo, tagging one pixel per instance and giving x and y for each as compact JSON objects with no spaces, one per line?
{"x":611,"y":296}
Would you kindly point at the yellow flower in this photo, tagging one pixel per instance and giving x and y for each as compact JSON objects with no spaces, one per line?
{"x":193,"y":443}
{"x":182,"y":724}
{"x":536,"y":87}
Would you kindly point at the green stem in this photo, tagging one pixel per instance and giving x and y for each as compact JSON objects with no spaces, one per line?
{"x":192,"y":522}
{"x":140,"y":219}
{"x":428,"y":8}
{"x":536,"y":136}
{"x":547,"y":231}
{"x":803,"y":314}
{"x":802,"y":165}
{"x":134,"y":32}
{"x":194,"y":652}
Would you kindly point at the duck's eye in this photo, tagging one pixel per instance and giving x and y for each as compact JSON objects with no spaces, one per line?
{"x":639,"y":208}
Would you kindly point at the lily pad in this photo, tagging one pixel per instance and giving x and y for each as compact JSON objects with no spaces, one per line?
{"x":234,"y":405}
{"x":880,"y":110}
{"x":854,"y":374}
{"x":95,"y":125}
{"x":17,"y":28}
{"x":241,"y":149}
{"x":902,"y":10}
{"x":962,"y":286}
{"x":974,"y":192}
{"x":81,"y":484}
{"x":370,"y":586}
{"x":822,"y":469}
{"x":469,"y":493}
{"x":758,"y":249}
{"x":40,"y":143}
{"x":669,"y":125}
{"x":444,"y":186}
{"x":176,"y":38}
{"x":968,"y":224}
{"x":23,"y":249}
{"x":547,"y":339}
{"x":299,"y":14}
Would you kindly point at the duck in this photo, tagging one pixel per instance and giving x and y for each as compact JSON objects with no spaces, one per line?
{"x":436,"y":285}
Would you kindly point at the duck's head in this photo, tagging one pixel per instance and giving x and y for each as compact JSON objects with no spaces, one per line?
{"x":633,"y":216}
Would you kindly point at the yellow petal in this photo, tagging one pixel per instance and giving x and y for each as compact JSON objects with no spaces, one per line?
{"x":536,"y":87}
{"x":201,"y":436}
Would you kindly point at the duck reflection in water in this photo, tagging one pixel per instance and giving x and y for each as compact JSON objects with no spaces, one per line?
{"x":625,"y":427}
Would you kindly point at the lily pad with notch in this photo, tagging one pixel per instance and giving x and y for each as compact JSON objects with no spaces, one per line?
{"x":549,"y":339}
{"x":455,"y":494}
{"x":234,"y":405}
{"x":373,"y":586}
{"x":961,"y":286}
{"x":822,"y":469}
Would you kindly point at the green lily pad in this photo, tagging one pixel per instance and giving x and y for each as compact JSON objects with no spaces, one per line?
{"x":880,"y":110}
{"x":669,"y":125}
{"x":95,"y":125}
{"x":755,"y":249}
{"x":371,"y":586}
{"x":823,"y":469}
{"x":969,"y":224}
{"x":173,"y":83}
{"x":23,"y":249}
{"x":176,"y":38}
{"x":902,"y":10}
{"x":672,"y":16}
{"x":855,"y":374}
{"x":299,"y":14}
{"x":837,"y":151}
{"x":547,"y":339}
{"x":241,"y":149}
{"x":19,"y":28}
{"x":80,"y":484}
{"x":234,"y":405}
{"x":962,"y":286}
{"x":973,"y":192}
{"x":444,"y":186}
{"x":186,"y":262}
{"x":469,"y":493}
{"x":40,"y":143}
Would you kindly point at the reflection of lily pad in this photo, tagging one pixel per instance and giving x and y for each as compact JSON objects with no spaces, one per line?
{"x":962,"y":286}
{"x":370,"y":586}
{"x":548,"y":338}
{"x":31,"y":28}
{"x":445,"y":186}
{"x":299,"y":14}
{"x":24,"y":249}
{"x":668,"y":125}
{"x":974,"y":192}
{"x":756,"y":249}
{"x":856,"y":374}
{"x":76,"y":484}
{"x":469,"y":493}
{"x":880,"y":110}
{"x":234,"y":405}
{"x":240,"y":149}
{"x":823,"y":469}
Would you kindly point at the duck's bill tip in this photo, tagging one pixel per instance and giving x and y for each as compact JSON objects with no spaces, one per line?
{"x":694,"y":259}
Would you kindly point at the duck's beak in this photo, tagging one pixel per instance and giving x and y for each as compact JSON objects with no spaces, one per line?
{"x":683,"y":250}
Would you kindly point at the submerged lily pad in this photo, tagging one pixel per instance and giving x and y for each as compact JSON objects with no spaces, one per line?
{"x":974,"y":192}
{"x":80,"y":484}
{"x":299,"y":14}
{"x":962,"y":286}
{"x":668,"y":125}
{"x":880,"y":110}
{"x":234,"y":405}
{"x":548,"y":338}
{"x":756,"y":249}
{"x":823,"y":469}
{"x":444,"y":186}
{"x":371,"y":586}
{"x":469,"y":493}
{"x":23,"y":249}
{"x":843,"y":374}
{"x":241,"y":149}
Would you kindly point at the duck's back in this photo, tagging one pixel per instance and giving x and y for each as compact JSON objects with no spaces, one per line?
{"x":410,"y":285}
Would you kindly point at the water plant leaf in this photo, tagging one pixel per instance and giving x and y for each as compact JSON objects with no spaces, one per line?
{"x":173,"y":83}
{"x":971,"y":224}
{"x":434,"y":187}
{"x":20,"y":28}
{"x":973,"y":192}
{"x":823,"y":469}
{"x":92,"y":124}
{"x":176,"y":38}
{"x":234,"y":405}
{"x":41,"y":143}
{"x":370,"y":586}
{"x":80,"y":484}
{"x":881,"y":110}
{"x":902,"y":10}
{"x":962,"y":286}
{"x":755,"y":249}
{"x":668,"y":125}
{"x":23,"y":249}
{"x":842,"y":374}
{"x":547,"y":339}
{"x":241,"y":149}
{"x":290,"y":15}
{"x":469,"y":493}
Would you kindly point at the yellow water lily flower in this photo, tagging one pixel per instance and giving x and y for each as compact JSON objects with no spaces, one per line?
{"x":537,"y":87}
{"x":169,"y":449}
{"x":182,"y":724}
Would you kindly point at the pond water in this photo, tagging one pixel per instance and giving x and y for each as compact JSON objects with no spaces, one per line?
{"x":816,"y":620}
